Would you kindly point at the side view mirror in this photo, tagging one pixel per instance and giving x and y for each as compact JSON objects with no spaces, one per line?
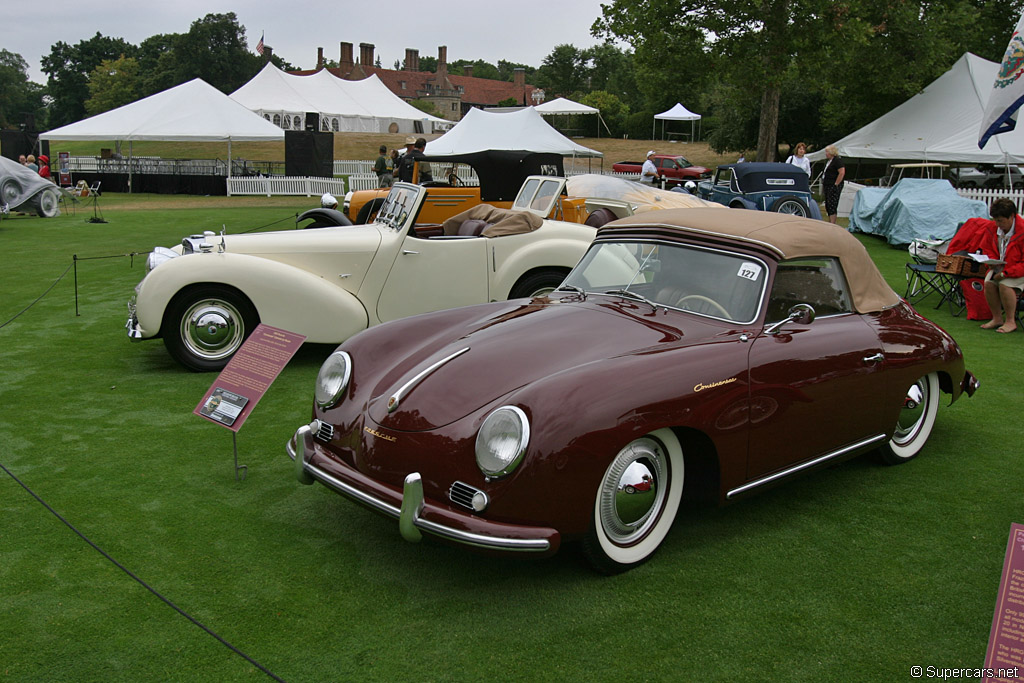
{"x":801,"y":314}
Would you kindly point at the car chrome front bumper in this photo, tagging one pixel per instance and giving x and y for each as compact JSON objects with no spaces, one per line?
{"x":414,"y":513}
{"x":134,"y":331}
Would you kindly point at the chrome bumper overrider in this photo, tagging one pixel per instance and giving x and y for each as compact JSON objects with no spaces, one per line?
{"x":134,"y":333}
{"x":410,"y":513}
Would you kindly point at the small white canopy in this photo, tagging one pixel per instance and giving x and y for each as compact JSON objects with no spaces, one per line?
{"x":940,"y":123}
{"x":560,"y":105}
{"x":188,"y":112}
{"x":365,"y":106}
{"x":676,"y":113}
{"x":523,"y":130}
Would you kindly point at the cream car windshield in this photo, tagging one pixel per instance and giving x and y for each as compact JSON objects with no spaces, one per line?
{"x":398,"y":206}
{"x":708,"y":282}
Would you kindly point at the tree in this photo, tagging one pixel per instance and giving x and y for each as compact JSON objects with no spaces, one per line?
{"x":68,"y":68}
{"x":215,"y":49}
{"x":19,"y":97}
{"x":507,"y":71}
{"x":614,"y":111}
{"x":481,"y":69}
{"x":563,"y":71}
{"x":611,"y":69}
{"x":112,"y":84}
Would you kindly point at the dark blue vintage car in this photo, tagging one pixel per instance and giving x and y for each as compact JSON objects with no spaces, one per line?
{"x":764,"y":186}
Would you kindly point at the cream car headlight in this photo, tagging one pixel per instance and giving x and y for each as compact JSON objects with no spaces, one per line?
{"x":501,"y":441}
{"x":158,"y":256}
{"x":332,"y":380}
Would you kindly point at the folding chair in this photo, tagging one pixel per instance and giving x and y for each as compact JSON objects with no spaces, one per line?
{"x":923,"y":280}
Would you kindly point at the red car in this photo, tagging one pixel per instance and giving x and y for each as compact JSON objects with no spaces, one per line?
{"x":675,"y":169}
{"x":692,"y":353}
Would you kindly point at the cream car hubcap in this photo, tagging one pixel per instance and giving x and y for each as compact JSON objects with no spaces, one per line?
{"x":212,"y":329}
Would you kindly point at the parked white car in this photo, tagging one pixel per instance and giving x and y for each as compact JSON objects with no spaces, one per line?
{"x":22,"y":189}
{"x":206,"y":295}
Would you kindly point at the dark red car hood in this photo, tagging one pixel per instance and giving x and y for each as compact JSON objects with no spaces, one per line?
{"x":520,"y":343}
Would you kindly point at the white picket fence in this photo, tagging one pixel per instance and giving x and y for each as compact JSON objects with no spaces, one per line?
{"x":351,"y":167}
{"x":988,"y":196}
{"x":283,"y":185}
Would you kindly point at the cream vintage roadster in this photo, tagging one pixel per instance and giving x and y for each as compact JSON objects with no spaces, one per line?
{"x":206,"y":295}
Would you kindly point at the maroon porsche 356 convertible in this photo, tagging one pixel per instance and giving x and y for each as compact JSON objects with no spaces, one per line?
{"x":692,"y":353}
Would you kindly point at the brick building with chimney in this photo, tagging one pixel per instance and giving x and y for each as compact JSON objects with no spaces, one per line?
{"x":452,"y":95}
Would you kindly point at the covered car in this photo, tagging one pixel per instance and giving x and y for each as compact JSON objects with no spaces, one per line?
{"x":691,"y":355}
{"x":22,"y":189}
{"x":914,"y":208}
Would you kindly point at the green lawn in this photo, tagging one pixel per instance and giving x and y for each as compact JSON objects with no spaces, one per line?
{"x":855,"y":573}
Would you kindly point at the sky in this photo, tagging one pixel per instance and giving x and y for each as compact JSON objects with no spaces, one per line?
{"x":524,"y":31}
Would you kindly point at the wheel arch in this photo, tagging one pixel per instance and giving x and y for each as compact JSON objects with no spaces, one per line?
{"x":270,"y":286}
{"x":553,"y":253}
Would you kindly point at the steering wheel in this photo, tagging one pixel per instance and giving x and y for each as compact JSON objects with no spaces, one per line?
{"x":705,"y":305}
{"x":454,"y":180}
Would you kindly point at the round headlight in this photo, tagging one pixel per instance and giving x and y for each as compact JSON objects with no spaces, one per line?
{"x":158,"y":256}
{"x":501,"y":441}
{"x":333,"y":378}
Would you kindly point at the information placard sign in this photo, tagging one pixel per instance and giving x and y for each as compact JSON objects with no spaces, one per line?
{"x":248,"y":375}
{"x":1004,"y":660}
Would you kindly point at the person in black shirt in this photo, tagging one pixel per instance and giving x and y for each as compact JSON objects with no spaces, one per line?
{"x":832,"y":182}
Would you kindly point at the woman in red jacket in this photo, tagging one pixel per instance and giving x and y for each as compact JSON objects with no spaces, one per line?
{"x":1004,"y":284}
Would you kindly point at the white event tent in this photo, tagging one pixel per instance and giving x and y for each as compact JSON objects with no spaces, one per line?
{"x":938,"y":124}
{"x":192,"y":111}
{"x":521,"y":130}
{"x":365,"y":106}
{"x":676,"y":113}
{"x":561,"y":106}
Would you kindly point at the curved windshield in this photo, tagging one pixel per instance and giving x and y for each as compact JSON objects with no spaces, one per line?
{"x":708,"y":282}
{"x":396,"y":208}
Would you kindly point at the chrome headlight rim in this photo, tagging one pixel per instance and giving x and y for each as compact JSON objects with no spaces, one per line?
{"x":502,"y":467}
{"x":158,"y":256}
{"x":331,"y":389}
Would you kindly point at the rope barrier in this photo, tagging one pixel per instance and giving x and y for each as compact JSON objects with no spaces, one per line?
{"x":38,"y":299}
{"x":138,"y":580}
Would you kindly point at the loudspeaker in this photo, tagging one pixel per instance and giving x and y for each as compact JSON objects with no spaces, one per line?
{"x":308,"y":153}
{"x":312,"y":121}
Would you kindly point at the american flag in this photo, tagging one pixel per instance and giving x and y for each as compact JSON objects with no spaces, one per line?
{"x":1007,"y":92}
{"x":259,"y":45}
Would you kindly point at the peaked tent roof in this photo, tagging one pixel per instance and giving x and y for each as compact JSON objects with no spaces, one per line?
{"x":940,"y":123}
{"x":365,"y":106}
{"x":521,"y":131}
{"x":678,"y":113}
{"x":191,"y":111}
{"x":560,"y":105}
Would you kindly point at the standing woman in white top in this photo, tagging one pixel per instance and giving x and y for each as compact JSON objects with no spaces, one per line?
{"x":798,"y":159}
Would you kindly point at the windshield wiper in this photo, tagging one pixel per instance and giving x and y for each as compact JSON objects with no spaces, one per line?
{"x":633,"y":295}
{"x":572,"y":288}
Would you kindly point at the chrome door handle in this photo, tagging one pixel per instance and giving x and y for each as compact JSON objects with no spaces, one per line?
{"x":409,"y":252}
{"x":877,"y":358}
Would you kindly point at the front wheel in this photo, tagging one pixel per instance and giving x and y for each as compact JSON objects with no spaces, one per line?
{"x":628,"y":528}
{"x":45,"y":204}
{"x":538,"y":283}
{"x":9,"y":190}
{"x":915,"y":422}
{"x":204,"y":326}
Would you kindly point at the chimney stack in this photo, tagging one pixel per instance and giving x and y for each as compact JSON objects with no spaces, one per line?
{"x":442,"y":64}
{"x":346,"y":62}
{"x":319,"y":58}
{"x":366,"y":54}
{"x":412,"y":59}
{"x":519,"y":76}
{"x":468,"y":70}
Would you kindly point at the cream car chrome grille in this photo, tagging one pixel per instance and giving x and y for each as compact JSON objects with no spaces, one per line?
{"x":464,"y":495}
{"x":325,"y":433}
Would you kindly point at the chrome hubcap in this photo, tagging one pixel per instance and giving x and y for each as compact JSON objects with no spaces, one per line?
{"x":212,"y":329}
{"x":633,"y":492}
{"x":912,"y":413}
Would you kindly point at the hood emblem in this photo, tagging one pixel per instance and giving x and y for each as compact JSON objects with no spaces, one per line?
{"x":700,"y":386}
{"x":407,"y":387}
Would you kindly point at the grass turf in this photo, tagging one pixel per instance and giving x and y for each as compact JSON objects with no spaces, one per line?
{"x":854,"y":573}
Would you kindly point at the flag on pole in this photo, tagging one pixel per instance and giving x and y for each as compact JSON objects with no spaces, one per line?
{"x":259,"y":45}
{"x":1007,"y":92}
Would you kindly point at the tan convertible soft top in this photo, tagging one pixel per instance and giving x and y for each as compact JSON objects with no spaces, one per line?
{"x":788,"y":236}
{"x":500,"y":222}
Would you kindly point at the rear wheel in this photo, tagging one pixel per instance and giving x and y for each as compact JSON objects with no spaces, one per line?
{"x":915,"y":422}
{"x":9,"y":190}
{"x":537,"y":283}
{"x":791,"y":205}
{"x":204,"y":326}
{"x":628,"y":528}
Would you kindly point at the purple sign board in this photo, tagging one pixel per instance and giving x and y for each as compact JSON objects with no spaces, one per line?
{"x":248,"y":375}
{"x":1004,"y":660}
